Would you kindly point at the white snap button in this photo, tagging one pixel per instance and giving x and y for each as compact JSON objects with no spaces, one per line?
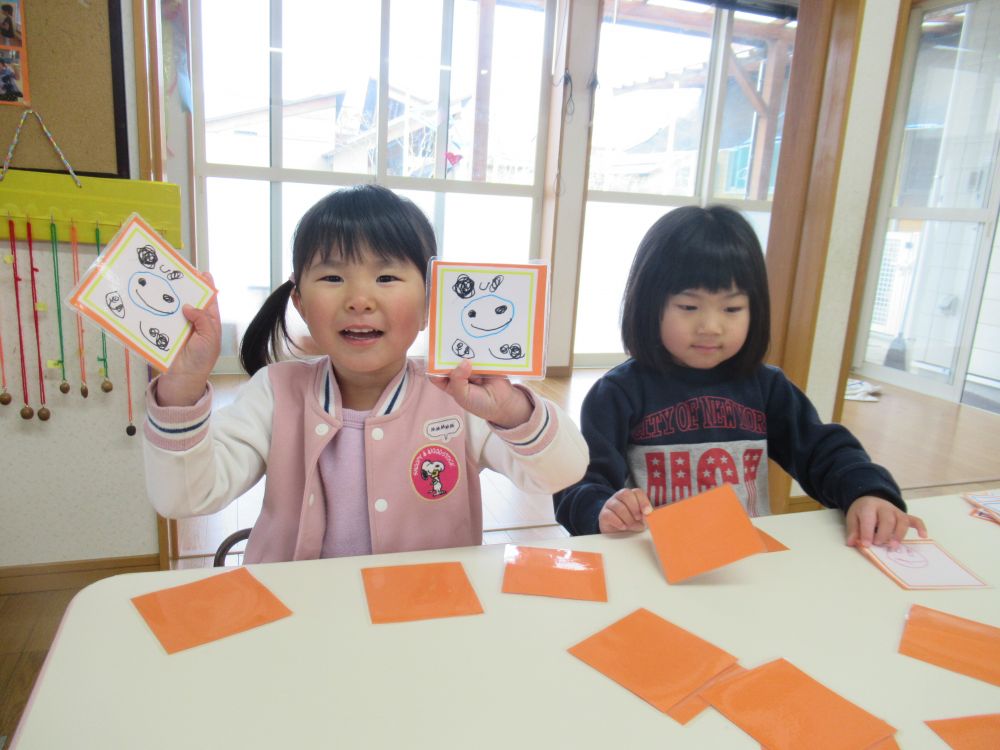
{"x":322,"y":429}
{"x":312,"y":499}
{"x":377,"y":433}
{"x":381,"y":505}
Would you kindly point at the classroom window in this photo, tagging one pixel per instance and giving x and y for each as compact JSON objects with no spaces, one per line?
{"x":688,"y":110}
{"x":439,"y":100}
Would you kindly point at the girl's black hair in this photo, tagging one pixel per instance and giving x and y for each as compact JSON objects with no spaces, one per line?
{"x":711,"y":248}
{"x":345,"y":224}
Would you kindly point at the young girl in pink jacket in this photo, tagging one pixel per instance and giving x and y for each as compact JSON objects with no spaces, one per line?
{"x":361,"y":450}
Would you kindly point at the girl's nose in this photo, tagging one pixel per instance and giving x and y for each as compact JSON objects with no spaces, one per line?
{"x":360,"y":300}
{"x":710,"y":323}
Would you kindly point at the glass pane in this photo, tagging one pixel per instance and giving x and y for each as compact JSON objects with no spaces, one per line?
{"x":464,"y":217}
{"x":951,"y":133}
{"x":414,"y":87}
{"x":923,"y":285}
{"x":649,"y":104}
{"x":982,"y":382}
{"x":758,"y":65}
{"x":329,"y":83}
{"x":491,"y":70}
{"x":236,"y":74}
{"x":611,"y":233}
{"x":239,"y":252}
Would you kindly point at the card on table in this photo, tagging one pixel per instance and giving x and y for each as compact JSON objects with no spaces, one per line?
{"x":987,"y":503}
{"x":658,"y":661}
{"x":702,"y":533}
{"x":968,"y":732}
{"x":922,"y":564}
{"x":135,"y":290}
{"x":494,"y":315}
{"x":216,"y":607}
{"x":952,"y":642}
{"x":401,"y":593}
{"x":783,"y":708}
{"x":563,"y":573}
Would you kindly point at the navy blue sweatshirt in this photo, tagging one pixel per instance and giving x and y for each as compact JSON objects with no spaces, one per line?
{"x":680,"y":434}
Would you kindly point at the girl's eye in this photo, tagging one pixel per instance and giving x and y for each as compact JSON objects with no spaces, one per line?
{"x":687,"y":308}
{"x":735,"y":309}
{"x":386,"y":278}
{"x":332,"y":278}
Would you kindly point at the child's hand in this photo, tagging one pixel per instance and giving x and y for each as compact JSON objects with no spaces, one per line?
{"x":492,"y":398}
{"x":872,"y":520}
{"x":626,"y":510}
{"x":184,"y":383}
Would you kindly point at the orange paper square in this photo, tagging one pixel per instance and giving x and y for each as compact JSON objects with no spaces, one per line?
{"x":400,"y":593}
{"x":655,"y":659}
{"x":770,"y":543}
{"x":783,"y":708}
{"x":563,"y":573}
{"x":209,"y":609}
{"x":969,"y":732}
{"x":966,"y":646}
{"x":694,"y":704}
{"x":703,"y":533}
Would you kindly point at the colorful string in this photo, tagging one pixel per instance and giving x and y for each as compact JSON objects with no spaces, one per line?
{"x":75,"y":245}
{"x":17,"y":137}
{"x":130,"y":430}
{"x":20,"y":322}
{"x":4,"y":396}
{"x":103,"y":359}
{"x":55,"y":273}
{"x":34,"y":310}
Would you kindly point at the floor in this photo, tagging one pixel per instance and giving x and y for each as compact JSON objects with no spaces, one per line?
{"x":932,"y":447}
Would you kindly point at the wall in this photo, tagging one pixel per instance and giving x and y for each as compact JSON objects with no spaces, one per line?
{"x":72,"y":488}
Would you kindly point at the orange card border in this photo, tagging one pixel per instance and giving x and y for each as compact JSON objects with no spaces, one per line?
{"x":899,"y":582}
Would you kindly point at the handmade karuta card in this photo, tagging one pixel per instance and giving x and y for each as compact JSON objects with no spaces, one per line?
{"x":562,"y":573}
{"x":494,"y":315}
{"x":922,"y":564}
{"x":135,"y":290}
{"x":987,"y":503}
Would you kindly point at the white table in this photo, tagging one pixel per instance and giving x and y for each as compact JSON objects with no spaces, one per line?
{"x":327,"y":677}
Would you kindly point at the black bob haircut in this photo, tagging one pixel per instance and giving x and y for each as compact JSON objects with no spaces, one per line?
{"x":711,"y":248}
{"x":345,"y":224}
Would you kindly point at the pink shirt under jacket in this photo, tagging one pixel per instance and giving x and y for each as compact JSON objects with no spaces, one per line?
{"x":423,"y":454}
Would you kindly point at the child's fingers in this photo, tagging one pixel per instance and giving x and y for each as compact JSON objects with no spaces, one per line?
{"x":918,"y":524}
{"x":617,"y":516}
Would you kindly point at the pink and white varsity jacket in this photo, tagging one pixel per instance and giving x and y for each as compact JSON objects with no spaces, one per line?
{"x":423,"y":454}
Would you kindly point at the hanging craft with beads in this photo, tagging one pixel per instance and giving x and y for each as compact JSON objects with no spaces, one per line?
{"x":78,"y":214}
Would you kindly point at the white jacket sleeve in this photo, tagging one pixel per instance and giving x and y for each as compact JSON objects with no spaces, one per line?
{"x":198,"y":462}
{"x":545,"y":454}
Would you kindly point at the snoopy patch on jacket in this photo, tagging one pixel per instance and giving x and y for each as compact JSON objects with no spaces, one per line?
{"x":434,"y":472}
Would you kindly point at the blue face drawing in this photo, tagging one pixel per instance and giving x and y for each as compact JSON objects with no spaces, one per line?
{"x":487,"y":316}
{"x":153,"y":293}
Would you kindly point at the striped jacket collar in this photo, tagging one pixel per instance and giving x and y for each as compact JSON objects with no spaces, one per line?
{"x":390,"y":401}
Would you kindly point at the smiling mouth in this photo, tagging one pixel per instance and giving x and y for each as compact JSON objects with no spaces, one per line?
{"x":361,"y":334}
{"x":480,"y":328}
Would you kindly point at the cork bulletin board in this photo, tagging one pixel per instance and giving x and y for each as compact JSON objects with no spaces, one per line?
{"x":74,"y":51}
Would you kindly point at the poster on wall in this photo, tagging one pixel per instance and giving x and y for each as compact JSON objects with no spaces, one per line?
{"x":13,"y":54}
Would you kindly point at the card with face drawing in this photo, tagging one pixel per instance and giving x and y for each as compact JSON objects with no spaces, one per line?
{"x":493,"y":314}
{"x":135,"y":290}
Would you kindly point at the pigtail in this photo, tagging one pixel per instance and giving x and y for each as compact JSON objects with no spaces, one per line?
{"x":267,"y":331}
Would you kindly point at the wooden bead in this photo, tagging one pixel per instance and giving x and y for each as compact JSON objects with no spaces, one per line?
{"x":106,"y":386}
{"x":5,"y":398}
{"x":130,"y":430}
{"x":64,"y":387}
{"x":44,"y":414}
{"x":84,"y":390}
{"x":27,"y":412}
